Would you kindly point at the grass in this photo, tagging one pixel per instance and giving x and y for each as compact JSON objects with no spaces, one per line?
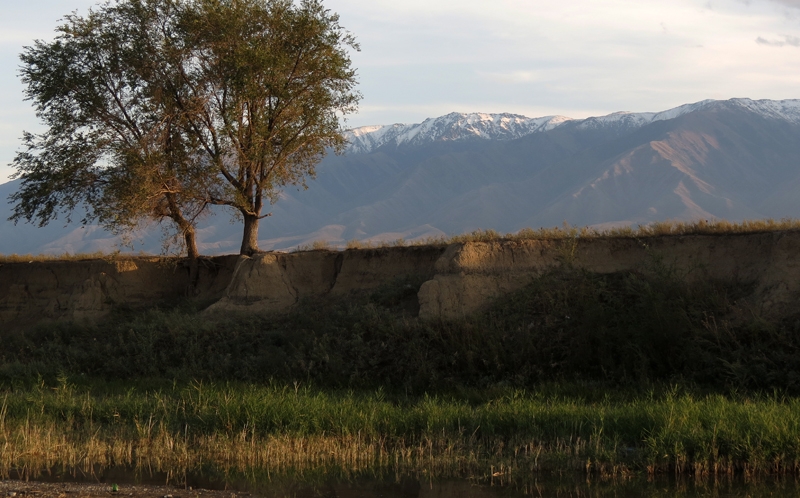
{"x":656,"y":229}
{"x":237,"y":427}
{"x":567,"y":374}
{"x":107,"y":256}
{"x":30,"y":258}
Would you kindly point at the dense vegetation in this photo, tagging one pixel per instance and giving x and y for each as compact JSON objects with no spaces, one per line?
{"x":634,"y":371}
{"x":568,"y":325}
{"x":238,"y":427}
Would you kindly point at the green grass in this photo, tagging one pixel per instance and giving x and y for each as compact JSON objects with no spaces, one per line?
{"x":664,"y":430}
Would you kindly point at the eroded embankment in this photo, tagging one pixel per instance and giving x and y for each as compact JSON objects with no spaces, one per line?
{"x":459,"y":279}
{"x":274,"y":281}
{"x":86,"y":291}
{"x":469,"y":276}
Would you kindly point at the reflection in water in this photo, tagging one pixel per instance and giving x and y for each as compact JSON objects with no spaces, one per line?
{"x":333,"y":484}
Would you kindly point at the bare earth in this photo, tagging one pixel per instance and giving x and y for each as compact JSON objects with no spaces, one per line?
{"x":30,"y":489}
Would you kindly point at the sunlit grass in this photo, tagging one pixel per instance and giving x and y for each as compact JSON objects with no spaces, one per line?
{"x":237,"y":427}
{"x":655,"y":229}
{"x":30,"y":258}
{"x":85,"y":256}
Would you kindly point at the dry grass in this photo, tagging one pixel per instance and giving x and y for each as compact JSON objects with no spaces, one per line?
{"x":31,"y":258}
{"x":33,"y":447}
{"x":706,"y":227}
{"x":291,"y":431}
{"x":84,"y":256}
{"x":656,"y":229}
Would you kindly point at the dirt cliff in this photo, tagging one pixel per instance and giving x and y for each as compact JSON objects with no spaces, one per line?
{"x":459,"y":279}
{"x":469,"y":276}
{"x":273,"y":281}
{"x":87,"y":290}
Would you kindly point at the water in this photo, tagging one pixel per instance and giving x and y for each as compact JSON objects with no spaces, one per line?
{"x":333,"y":484}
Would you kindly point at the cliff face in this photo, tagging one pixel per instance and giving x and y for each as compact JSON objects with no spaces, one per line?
{"x":274,"y":281}
{"x":459,"y":279}
{"x":86,"y":291}
{"x":469,"y":276}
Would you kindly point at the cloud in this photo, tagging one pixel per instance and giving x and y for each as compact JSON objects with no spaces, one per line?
{"x":792,"y":41}
{"x":512,"y":76}
{"x":789,"y":3}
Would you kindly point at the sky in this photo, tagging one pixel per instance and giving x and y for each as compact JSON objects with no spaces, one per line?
{"x":577,"y":58}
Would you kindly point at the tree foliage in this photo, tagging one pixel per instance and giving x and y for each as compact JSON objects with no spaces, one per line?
{"x":156,"y":109}
{"x":272,"y":79}
{"x":113,"y":142}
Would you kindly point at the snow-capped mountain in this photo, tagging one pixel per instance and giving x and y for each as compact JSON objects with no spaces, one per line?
{"x":787,"y":110}
{"x":624,"y":119}
{"x":459,"y":126}
{"x":454,"y":126}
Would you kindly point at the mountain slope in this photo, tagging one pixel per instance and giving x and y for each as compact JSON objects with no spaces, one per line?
{"x":732,"y":159}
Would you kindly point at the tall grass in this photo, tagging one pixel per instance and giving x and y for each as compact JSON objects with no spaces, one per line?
{"x":655,"y":229}
{"x":236,"y":427}
{"x":30,"y":258}
{"x":558,"y":376}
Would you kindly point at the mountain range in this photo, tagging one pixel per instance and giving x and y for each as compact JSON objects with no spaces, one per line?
{"x":734,"y":159}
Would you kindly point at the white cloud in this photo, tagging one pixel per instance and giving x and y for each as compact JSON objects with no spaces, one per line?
{"x":792,"y":41}
{"x":789,"y":3}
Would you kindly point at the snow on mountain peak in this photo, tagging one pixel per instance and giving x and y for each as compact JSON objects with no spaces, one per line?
{"x":453,"y":126}
{"x":464,"y":126}
{"x":638,"y":119}
{"x":788,"y":110}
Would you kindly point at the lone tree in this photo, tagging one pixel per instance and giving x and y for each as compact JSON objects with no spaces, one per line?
{"x":273,"y":80}
{"x":158,"y":108}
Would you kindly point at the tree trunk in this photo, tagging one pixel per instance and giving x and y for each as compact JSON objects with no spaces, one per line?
{"x":250,"y":237}
{"x":190,"y":239}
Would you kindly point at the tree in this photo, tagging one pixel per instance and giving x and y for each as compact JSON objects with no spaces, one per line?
{"x":114,"y":141}
{"x":273,"y":80}
{"x":157,"y":108}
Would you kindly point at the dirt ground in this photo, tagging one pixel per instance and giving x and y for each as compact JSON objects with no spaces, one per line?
{"x":31,"y":489}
